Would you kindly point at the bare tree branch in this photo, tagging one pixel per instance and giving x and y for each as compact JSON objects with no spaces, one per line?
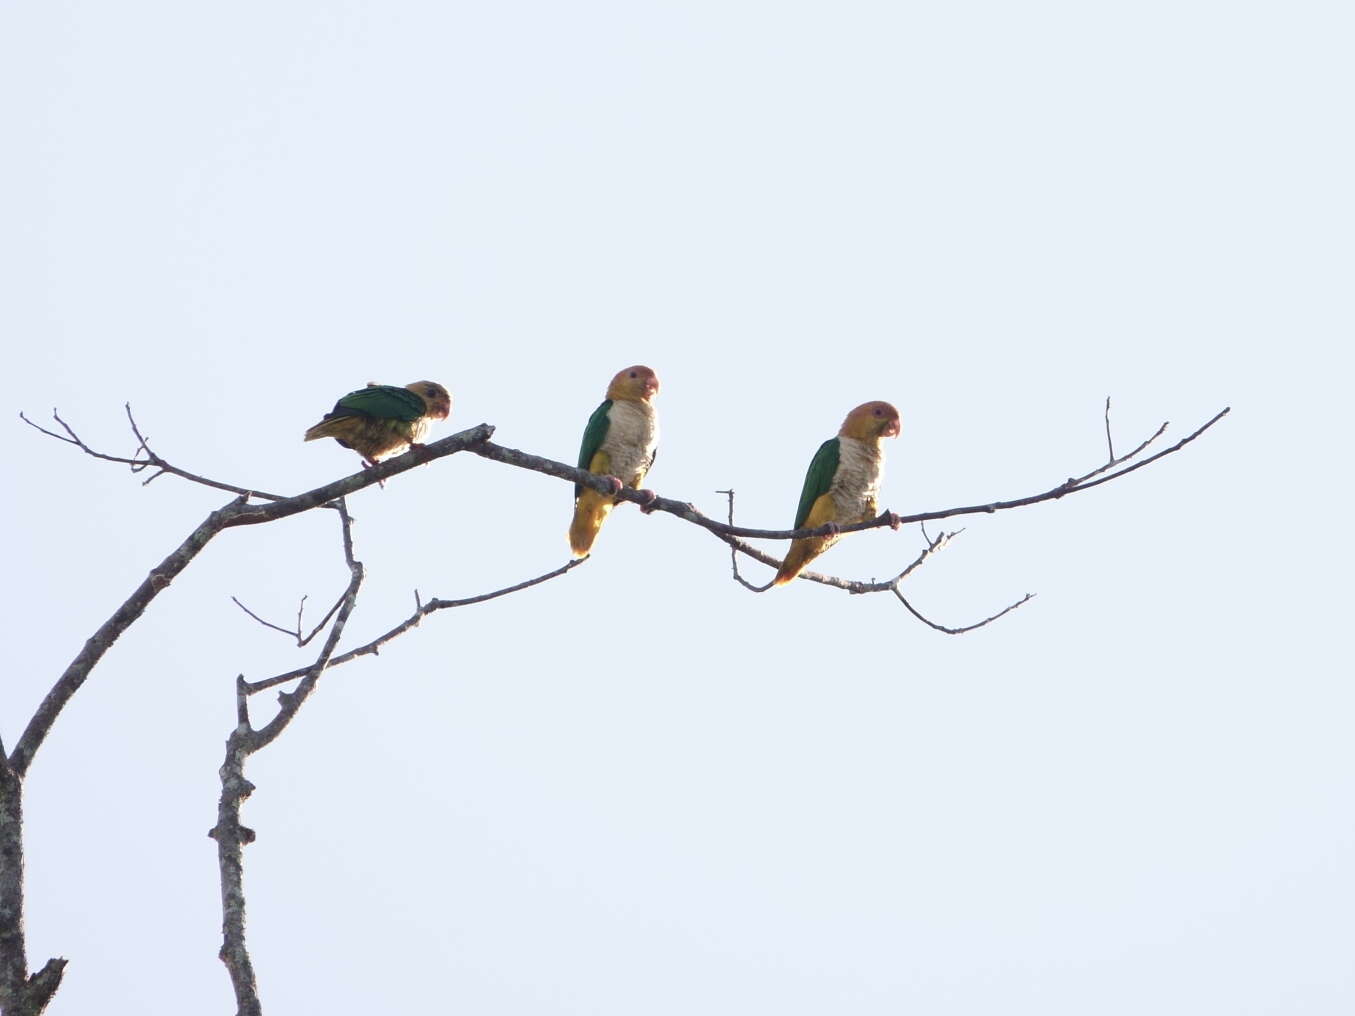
{"x":99,"y":643}
{"x":297,"y":503}
{"x":24,"y":994}
{"x":20,"y":994}
{"x":476,"y":440}
{"x":1111,"y":461}
{"x":960,"y":631}
{"x":137,"y":464}
{"x":421,"y":611}
{"x":734,"y":553}
{"x":1072,"y":485}
{"x":269,"y":624}
{"x":237,"y":513}
{"x":231,"y":838}
{"x":860,"y":587}
{"x":243,"y":742}
{"x":930,"y":548}
{"x":466,"y":440}
{"x":301,"y":640}
{"x":689,"y":513}
{"x":854,"y":586}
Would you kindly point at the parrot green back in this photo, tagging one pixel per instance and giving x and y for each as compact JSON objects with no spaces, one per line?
{"x":593,"y":436}
{"x":819,"y":478}
{"x":381,"y":402}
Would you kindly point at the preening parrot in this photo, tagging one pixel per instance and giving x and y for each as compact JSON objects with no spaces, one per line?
{"x":619,"y":442}
{"x":843,"y":482}
{"x":380,"y":420}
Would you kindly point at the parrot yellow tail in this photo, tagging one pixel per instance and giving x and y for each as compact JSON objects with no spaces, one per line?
{"x":590,"y":511}
{"x":801,"y":552}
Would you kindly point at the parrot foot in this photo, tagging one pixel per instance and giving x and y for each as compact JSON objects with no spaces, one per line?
{"x":833,"y":528}
{"x":893,"y":518}
{"x":614,"y":485}
{"x":650,"y":500}
{"x":369,"y":464}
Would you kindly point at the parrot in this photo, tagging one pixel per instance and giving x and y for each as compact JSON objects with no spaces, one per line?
{"x":620,"y":443}
{"x":381,"y":420}
{"x":842,"y":484}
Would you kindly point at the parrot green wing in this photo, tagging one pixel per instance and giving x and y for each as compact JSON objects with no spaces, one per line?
{"x":381,"y":402}
{"x":593,"y":436}
{"x":818,"y":479}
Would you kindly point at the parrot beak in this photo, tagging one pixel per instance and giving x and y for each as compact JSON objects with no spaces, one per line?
{"x":892,"y":428}
{"x":651,"y":387}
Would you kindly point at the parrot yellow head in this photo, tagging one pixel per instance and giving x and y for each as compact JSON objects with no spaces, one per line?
{"x":434,"y":396}
{"x":638,"y":384}
{"x":871,"y":421}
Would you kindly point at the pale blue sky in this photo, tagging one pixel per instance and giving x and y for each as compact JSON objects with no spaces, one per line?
{"x":640,"y":789}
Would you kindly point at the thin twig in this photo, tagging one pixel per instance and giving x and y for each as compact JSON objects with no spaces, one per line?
{"x":301,"y":640}
{"x":1112,"y":462}
{"x":932,"y":547}
{"x":1110,"y":445}
{"x":137,"y":464}
{"x":268,"y":624}
{"x":421,"y":611}
{"x":967,"y":628}
{"x":734,"y":555}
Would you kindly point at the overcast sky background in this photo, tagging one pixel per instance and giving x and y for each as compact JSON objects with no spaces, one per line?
{"x":639,"y":788}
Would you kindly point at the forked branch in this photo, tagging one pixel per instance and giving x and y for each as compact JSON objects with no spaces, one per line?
{"x":421,"y":610}
{"x":230,"y":835}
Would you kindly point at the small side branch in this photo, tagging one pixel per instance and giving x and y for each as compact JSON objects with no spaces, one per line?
{"x":301,"y":640}
{"x":143,"y":458}
{"x":969,"y":627}
{"x":734,"y":551}
{"x":421,"y":610}
{"x":291,"y":702}
{"x":1112,"y":461}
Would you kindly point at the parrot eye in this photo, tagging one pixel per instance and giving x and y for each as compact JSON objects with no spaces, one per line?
{"x":878,"y":411}
{"x":633,"y":374}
